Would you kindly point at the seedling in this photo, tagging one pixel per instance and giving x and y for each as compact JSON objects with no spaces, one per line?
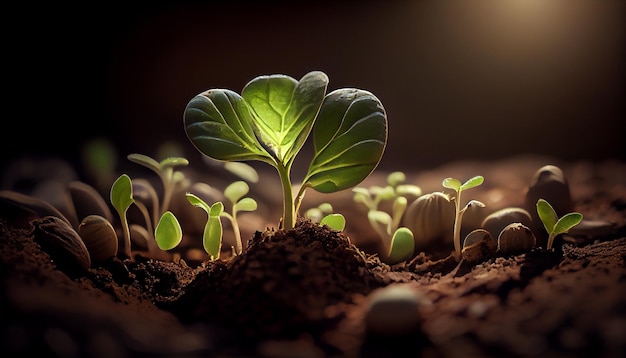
{"x":399,"y":240}
{"x":213,"y":230}
{"x":324,"y":214}
{"x":459,"y":187}
{"x":553,"y":224}
{"x":121,"y":199}
{"x":273,"y":117}
{"x":170,"y":178}
{"x":168,"y":233}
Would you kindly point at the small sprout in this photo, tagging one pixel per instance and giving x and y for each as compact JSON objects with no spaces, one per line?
{"x":324,"y":214}
{"x":386,"y":225}
{"x":235,"y":193}
{"x":516,"y":238}
{"x":553,"y":224}
{"x":459,"y":187}
{"x":212,"y":237}
{"x":402,"y":246}
{"x":213,"y":231}
{"x":271,"y":120}
{"x":168,"y":233}
{"x":170,"y":178}
{"x":121,"y":199}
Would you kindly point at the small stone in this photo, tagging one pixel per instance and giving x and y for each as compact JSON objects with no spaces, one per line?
{"x":63,"y":244}
{"x":394,"y":310}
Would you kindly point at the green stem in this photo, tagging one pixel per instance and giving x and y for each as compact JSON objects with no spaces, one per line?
{"x":551,"y":237}
{"x":299,"y":198}
{"x":289,"y":212}
{"x":126,"y":230}
{"x":236,"y":231}
{"x":457,"y":224}
{"x":166,"y":179}
{"x":146,"y":217}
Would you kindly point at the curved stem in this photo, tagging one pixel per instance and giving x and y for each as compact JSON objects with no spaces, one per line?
{"x":236,"y":231}
{"x":126,"y":231}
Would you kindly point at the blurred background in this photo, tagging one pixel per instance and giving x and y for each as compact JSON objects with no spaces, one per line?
{"x":460,"y":80}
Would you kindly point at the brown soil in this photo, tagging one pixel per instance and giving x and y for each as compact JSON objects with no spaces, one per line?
{"x":307,"y":292}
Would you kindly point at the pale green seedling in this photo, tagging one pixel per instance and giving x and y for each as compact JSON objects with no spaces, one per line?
{"x":459,"y":187}
{"x":399,"y":240}
{"x":213,"y":231}
{"x":122,"y":198}
{"x":553,"y":224}
{"x":170,"y":178}
{"x":273,"y":117}
{"x":168,"y":233}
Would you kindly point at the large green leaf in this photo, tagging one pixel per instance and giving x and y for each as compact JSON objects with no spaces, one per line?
{"x":220,"y":125}
{"x":285,"y":110}
{"x":350,"y":136}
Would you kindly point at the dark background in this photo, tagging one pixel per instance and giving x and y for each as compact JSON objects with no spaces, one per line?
{"x":478,"y":79}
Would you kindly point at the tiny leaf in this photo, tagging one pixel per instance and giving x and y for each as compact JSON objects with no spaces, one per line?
{"x":472,"y":182}
{"x":387,"y":193}
{"x":246,"y":204}
{"x":396,"y":178}
{"x":144,"y":160}
{"x":547,"y":215}
{"x":334,"y":221}
{"x":452,"y":183}
{"x":407,"y":189}
{"x":196,"y":201}
{"x":236,"y":191}
{"x":402,"y":246}
{"x":326,"y":208}
{"x":122,"y":193}
{"x":171,"y":162}
{"x":379,"y":216}
{"x":216,"y":209}
{"x":168,"y":233}
{"x":567,"y":222}
{"x":212,"y":237}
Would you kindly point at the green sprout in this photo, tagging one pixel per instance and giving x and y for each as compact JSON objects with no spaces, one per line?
{"x":324,"y":214}
{"x":459,"y":187}
{"x":170,"y":178}
{"x":121,"y":199}
{"x":273,"y":117}
{"x":213,"y":230}
{"x":399,"y":240}
{"x":168,"y":233}
{"x":553,"y":224}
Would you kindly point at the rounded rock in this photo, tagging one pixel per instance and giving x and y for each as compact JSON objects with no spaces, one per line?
{"x":64,"y":245}
{"x":478,"y":245}
{"x":516,"y":238}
